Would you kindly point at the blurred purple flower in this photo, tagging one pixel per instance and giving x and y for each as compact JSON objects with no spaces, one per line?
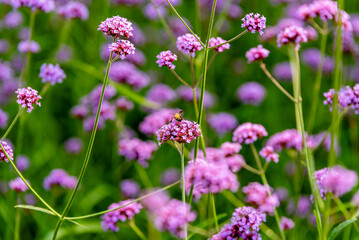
{"x":73,"y":10}
{"x":13,"y":19}
{"x":269,"y":155}
{"x":22,"y":163}
{"x":258,"y":195}
{"x":73,"y":145}
{"x":257,"y":54}
{"x":124,"y":72}
{"x":248,"y":133}
{"x":286,"y":223}
{"x":170,"y":176}
{"x":51,"y":73}
{"x":292,"y":34}
{"x":216,"y":41}
{"x":65,"y":53}
{"x":222,"y":122}
{"x":59,"y":177}
{"x":18,"y":185}
{"x":124,"y":104}
{"x":4,"y":117}
{"x":136,"y":149}
{"x":129,"y":188}
{"x":311,"y":57}
{"x":251,"y":93}
{"x":153,"y":122}
{"x":28,"y":46}
{"x":161,"y":93}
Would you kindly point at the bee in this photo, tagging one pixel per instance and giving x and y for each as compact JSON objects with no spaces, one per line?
{"x":177,"y":116}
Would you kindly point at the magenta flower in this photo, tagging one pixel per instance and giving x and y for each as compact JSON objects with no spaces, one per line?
{"x":129,"y":188}
{"x":26,"y":97}
{"x":222,"y":122}
{"x":251,"y":93}
{"x":22,"y":163}
{"x":245,"y":223}
{"x":136,"y":149}
{"x":292,"y":34}
{"x":4,"y":117}
{"x":74,"y":10}
{"x":347,"y":98}
{"x":28,"y":46}
{"x":73,"y":145}
{"x":18,"y":185}
{"x":179,"y":131}
{"x":116,"y":27}
{"x":258,"y":195}
{"x":166,"y":58}
{"x":286,"y":223}
{"x":124,"y":104}
{"x":42,"y":5}
{"x":59,"y":177}
{"x":153,"y":122}
{"x":216,"y":41}
{"x":110,"y":219}
{"x":51,"y":73}
{"x":13,"y":19}
{"x":125,"y":72}
{"x":161,"y":93}
{"x":287,"y":139}
{"x":8,"y":151}
{"x":254,"y":22}
{"x":269,"y":155}
{"x":122,"y":48}
{"x":170,"y":176}
{"x":249,"y":133}
{"x":188,"y":44}
{"x":257,"y":54}
{"x":282,"y":71}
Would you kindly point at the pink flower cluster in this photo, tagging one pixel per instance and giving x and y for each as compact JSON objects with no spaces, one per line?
{"x":222,"y":122}
{"x":337,"y":180}
{"x":153,"y":122}
{"x":26,"y":97}
{"x":136,"y":149}
{"x":258,"y":195}
{"x":116,"y":27}
{"x":73,"y":10}
{"x":127,"y":73}
{"x":254,"y":22}
{"x":347,"y":98}
{"x":251,"y":93}
{"x":286,"y":223}
{"x":110,"y":219}
{"x":288,"y":139}
{"x":269,"y":155}
{"x":325,"y":9}
{"x":292,"y":34}
{"x":217,"y":41}
{"x":245,"y":223}
{"x":42,"y":5}
{"x":28,"y":46}
{"x":188,"y":44}
{"x":179,"y":131}
{"x":59,"y":177}
{"x":161,"y":93}
{"x":8,"y":151}
{"x":18,"y":185}
{"x":166,"y":58}
{"x":129,"y":188}
{"x":257,"y":54}
{"x":208,"y":177}
{"x":248,"y":133}
{"x":51,"y":73}
{"x":122,"y":48}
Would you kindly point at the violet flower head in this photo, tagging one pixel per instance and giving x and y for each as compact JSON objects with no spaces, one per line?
{"x":355,"y":199}
{"x":28,"y":46}
{"x":254,"y":22}
{"x":150,"y":11}
{"x":65,"y":53}
{"x":116,"y":27}
{"x":188,"y":44}
{"x":282,"y":71}
{"x":325,"y":9}
{"x":170,"y":176}
{"x":286,"y":223}
{"x":287,"y":139}
{"x":127,"y":2}
{"x":124,"y":104}
{"x":73,"y":10}
{"x":18,"y":185}
{"x":347,"y":98}
{"x":125,"y":72}
{"x":337,"y":180}
{"x":153,"y":122}
{"x":166,"y":58}
{"x":217,"y":41}
{"x":136,"y":149}
{"x":26,"y":97}
{"x":230,"y":148}
{"x":51,"y":73}
{"x":222,"y":122}
{"x":4,"y":117}
{"x":6,"y":72}
{"x":13,"y":19}
{"x":8,"y":151}
{"x":122,"y":48}
{"x":258,"y":195}
{"x":208,"y":177}
{"x":156,"y":201}
{"x":4,"y":46}
{"x":59,"y":177}
{"x":73,"y":145}
{"x":292,"y":34}
{"x":245,"y":223}
{"x":269,"y":155}
{"x":110,"y":219}
{"x":311,"y":57}
{"x":129,"y":188}
{"x":251,"y":93}
{"x":257,"y":54}
{"x":179,"y":131}
{"x":22,"y":163}
{"x":42,"y":5}
{"x":248,"y":133}
{"x":161,"y":93}
{"x":173,"y":217}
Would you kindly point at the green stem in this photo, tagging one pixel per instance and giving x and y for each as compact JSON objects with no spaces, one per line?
{"x":26,"y":182}
{"x":265,"y":182}
{"x":179,"y":78}
{"x":251,"y":169}
{"x":137,"y":230}
{"x":318,"y":81}
{"x":231,"y":40}
{"x":189,"y":29}
{"x":214,"y":211}
{"x":183,"y":187}
{"x":208,"y":65}
{"x":17,"y":224}
{"x":209,"y":33}
{"x":88,"y":153}
{"x":194,"y":88}
{"x":114,"y":209}
{"x":13,"y":123}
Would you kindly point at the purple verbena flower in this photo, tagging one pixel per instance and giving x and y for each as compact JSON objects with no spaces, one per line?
{"x":8,"y":151}
{"x":4,"y":117}
{"x":312,"y":56}
{"x":13,"y":19}
{"x":188,"y":44}
{"x":136,"y":149}
{"x":217,"y":41}
{"x":261,"y":196}
{"x":269,"y":155}
{"x":28,"y":46}
{"x":42,"y":5}
{"x":257,"y":54}
{"x":170,"y":176}
{"x":248,"y":133}
{"x":59,"y":177}
{"x":51,"y":73}
{"x":254,"y":22}
{"x":161,"y":93}
{"x":292,"y":34}
{"x":166,"y":58}
{"x":125,"y":72}
{"x":22,"y":163}
{"x":18,"y":185}
{"x":129,"y":188}
{"x":73,"y":10}
{"x":251,"y":93}
{"x":282,"y":71}
{"x":116,"y":27}
{"x":286,"y":223}
{"x":153,"y":122}
{"x":124,"y":104}
{"x":73,"y":145}
{"x":222,"y":122}
{"x":26,"y":97}
{"x":179,"y":131}
{"x":123,"y":48}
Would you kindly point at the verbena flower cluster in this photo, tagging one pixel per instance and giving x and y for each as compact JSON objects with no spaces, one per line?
{"x":18,"y":185}
{"x":154,"y":121}
{"x":8,"y":151}
{"x":129,"y":188}
{"x":28,"y":46}
{"x":257,"y":54}
{"x":166,"y":58}
{"x":161,"y":94}
{"x":123,"y":48}
{"x":26,"y":97}
{"x":213,"y":42}
{"x":136,"y":149}
{"x":268,"y":154}
{"x":127,"y":73}
{"x":248,"y":133}
{"x":292,"y":34}
{"x":261,"y":196}
{"x":42,"y":5}
{"x":73,"y":10}
{"x":59,"y":177}
{"x":116,"y":27}
{"x":286,"y":223}
{"x":254,"y":22}
{"x":51,"y":73}
{"x":251,"y":93}
{"x":245,"y":223}
{"x":188,"y":44}
{"x":347,"y":98}
{"x":222,"y":122}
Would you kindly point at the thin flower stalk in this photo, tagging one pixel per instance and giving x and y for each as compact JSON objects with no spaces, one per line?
{"x":137,"y":230}
{"x":214,"y":211}
{"x":231,"y":40}
{"x":194,"y":88}
{"x":17,"y":223}
{"x":19,"y":113}
{"x":179,"y":78}
{"x":208,"y":65}
{"x":183,"y":188}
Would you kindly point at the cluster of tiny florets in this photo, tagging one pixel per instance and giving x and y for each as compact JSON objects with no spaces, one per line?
{"x":188,"y":44}
{"x":8,"y":151}
{"x":74,"y":10}
{"x":116,"y":27}
{"x":26,"y":97}
{"x":256,"y":54}
{"x":268,"y":154}
{"x":292,"y":34}
{"x":51,"y":73}
{"x":166,"y":58}
{"x":347,"y":98}
{"x":286,"y":223}
{"x":325,"y":9}
{"x":222,"y":122}
{"x":179,"y":131}
{"x":122,"y":48}
{"x":254,"y":22}
{"x":213,"y":42}
{"x":28,"y":46}
{"x":59,"y":177}
{"x":136,"y":149}
{"x":251,"y":93}
{"x":18,"y":185}
{"x":245,"y":223}
{"x":248,"y":133}
{"x":42,"y":5}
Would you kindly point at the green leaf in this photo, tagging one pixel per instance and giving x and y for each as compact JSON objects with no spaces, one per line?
{"x":338,"y":229}
{"x":30,"y":207}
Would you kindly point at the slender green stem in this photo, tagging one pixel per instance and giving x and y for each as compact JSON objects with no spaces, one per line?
{"x":194,"y":88}
{"x":88,"y":153}
{"x":27,"y":183}
{"x":179,"y":78}
{"x":251,"y":169}
{"x":318,"y":81}
{"x":214,"y":211}
{"x":183,"y":188}
{"x":189,"y":29}
{"x":231,"y":40}
{"x":321,"y":30}
{"x":265,"y":182}
{"x":276,"y":83}
{"x":44,"y":89}
{"x":133,"y":201}
{"x":209,"y":33}
{"x":137,"y":230}
{"x":13,"y":123}
{"x":17,"y":224}
{"x":208,"y":65}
